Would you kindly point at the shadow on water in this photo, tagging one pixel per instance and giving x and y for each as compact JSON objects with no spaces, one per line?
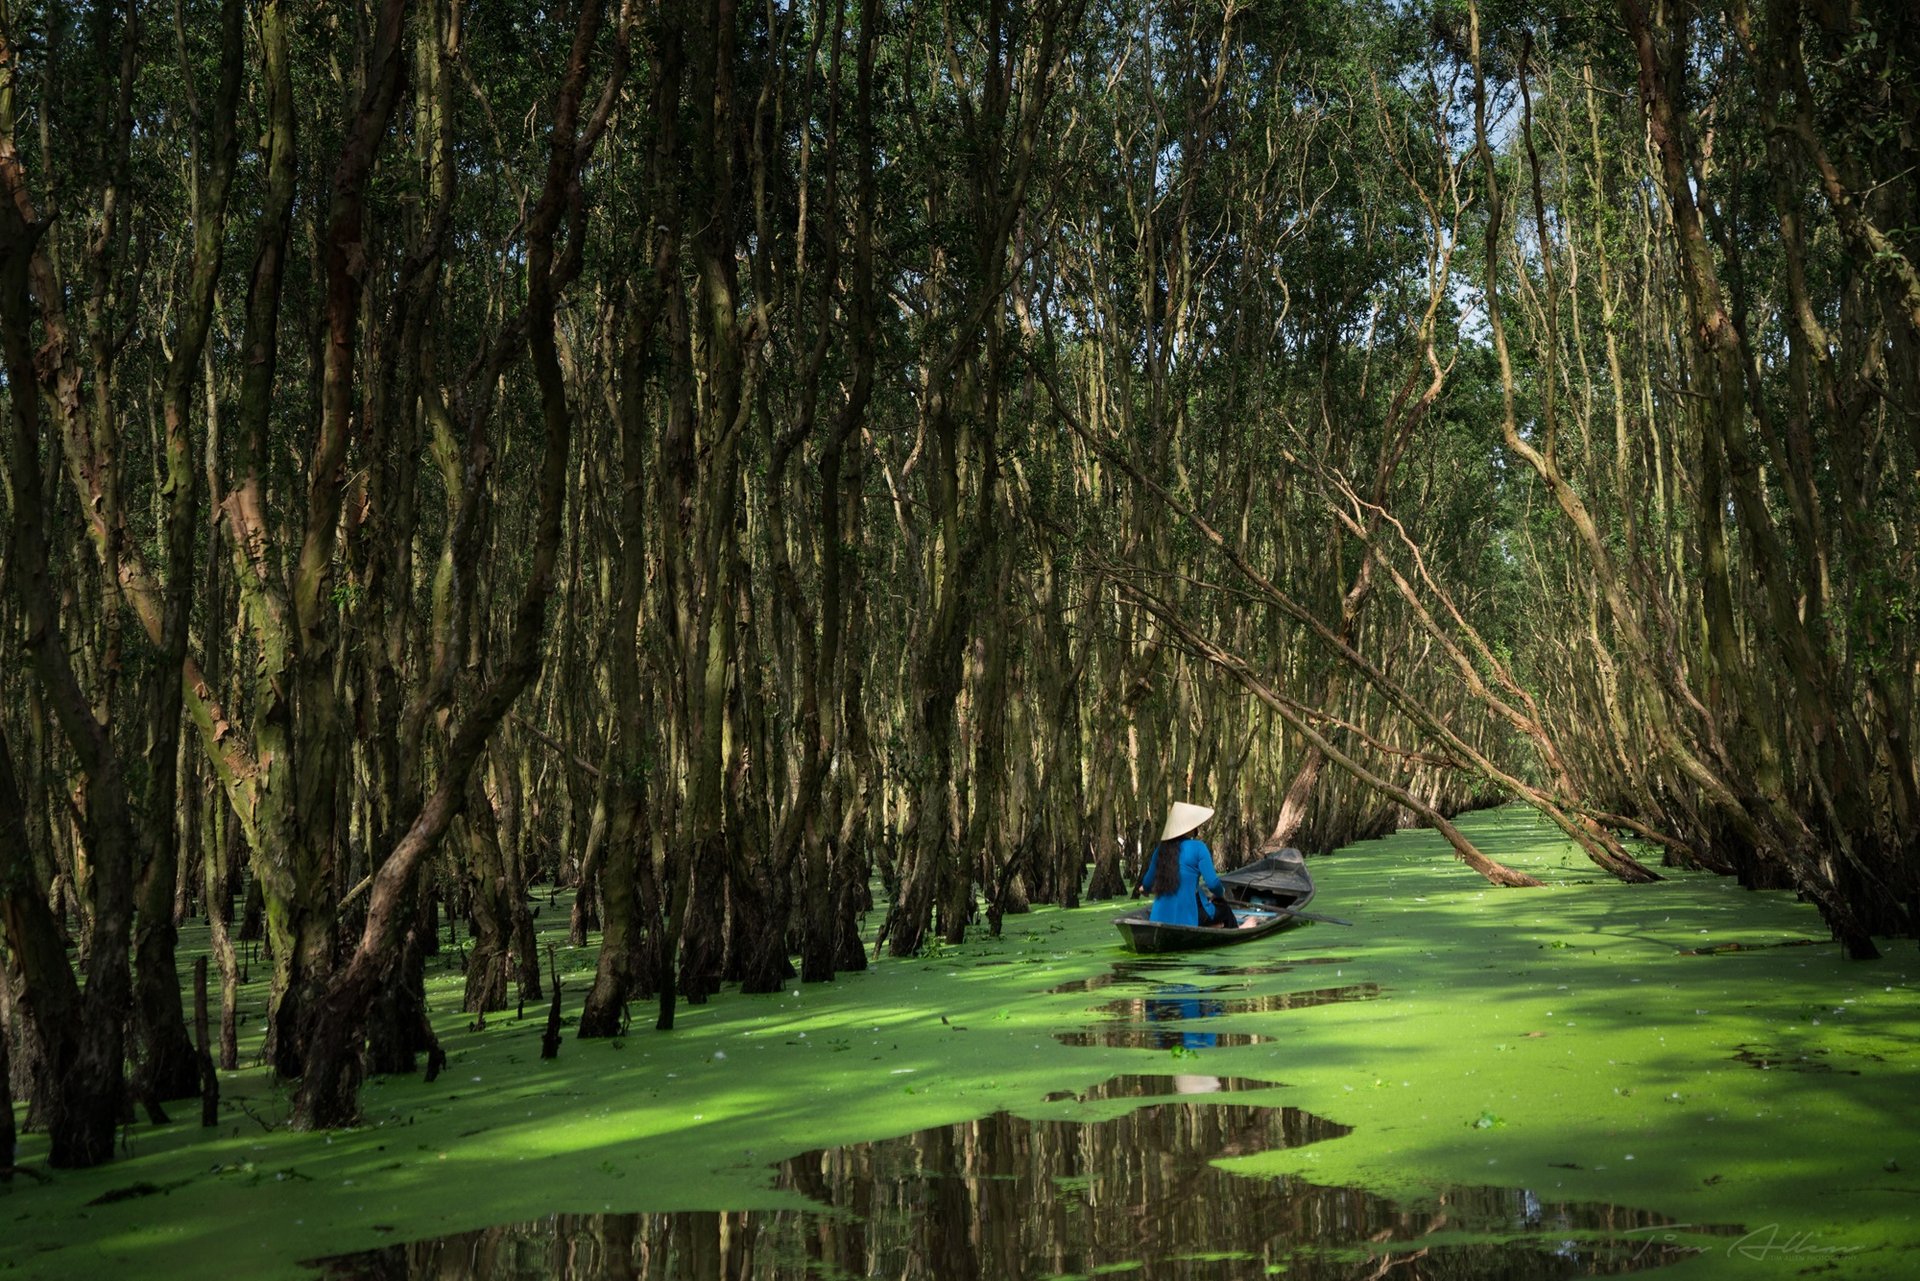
{"x":1007,"y":1197}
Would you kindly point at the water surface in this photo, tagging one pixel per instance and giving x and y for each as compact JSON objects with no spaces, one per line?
{"x":1137,"y":972}
{"x":1172,"y":1015}
{"x":1008,"y":1197}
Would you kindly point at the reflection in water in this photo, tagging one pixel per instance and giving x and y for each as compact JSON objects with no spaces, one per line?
{"x":1173,"y":1009}
{"x":1129,"y":973}
{"x":1158,"y":1008}
{"x":1003,"y":1197}
{"x":1157,"y":1038}
{"x":1134,"y":1086}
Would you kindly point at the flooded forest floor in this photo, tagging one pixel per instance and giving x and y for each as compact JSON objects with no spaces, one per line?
{"x":1589,"y":1077}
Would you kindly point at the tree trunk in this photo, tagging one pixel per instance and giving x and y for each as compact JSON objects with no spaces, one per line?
{"x":492,"y":899}
{"x":82,"y":1037}
{"x":336,"y":1029}
{"x":6,"y":1078}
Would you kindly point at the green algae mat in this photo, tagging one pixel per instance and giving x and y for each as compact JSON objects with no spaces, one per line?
{"x":1588,"y":1077}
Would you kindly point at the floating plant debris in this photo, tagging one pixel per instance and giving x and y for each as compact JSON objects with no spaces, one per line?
{"x":1721,"y":949}
{"x":1767,"y":1060}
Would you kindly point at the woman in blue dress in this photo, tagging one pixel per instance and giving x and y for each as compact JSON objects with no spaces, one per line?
{"x":1179,"y":867}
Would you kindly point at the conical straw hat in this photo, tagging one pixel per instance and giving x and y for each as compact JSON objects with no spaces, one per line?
{"x":1183,"y":818}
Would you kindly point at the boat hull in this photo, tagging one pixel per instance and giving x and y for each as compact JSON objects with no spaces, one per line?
{"x":1278,"y":884}
{"x":1144,"y":935}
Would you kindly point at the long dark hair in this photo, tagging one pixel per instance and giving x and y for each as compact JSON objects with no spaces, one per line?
{"x":1166,"y":867}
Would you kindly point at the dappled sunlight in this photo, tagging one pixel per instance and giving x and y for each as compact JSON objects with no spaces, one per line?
{"x":1555,"y":1040}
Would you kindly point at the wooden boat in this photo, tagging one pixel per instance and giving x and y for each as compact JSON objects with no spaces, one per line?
{"x":1268,"y":892}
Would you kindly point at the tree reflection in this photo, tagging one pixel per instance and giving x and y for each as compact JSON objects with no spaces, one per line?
{"x":1007,"y":1197}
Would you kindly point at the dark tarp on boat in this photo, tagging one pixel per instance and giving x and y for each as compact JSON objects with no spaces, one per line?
{"x":1281,"y":875}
